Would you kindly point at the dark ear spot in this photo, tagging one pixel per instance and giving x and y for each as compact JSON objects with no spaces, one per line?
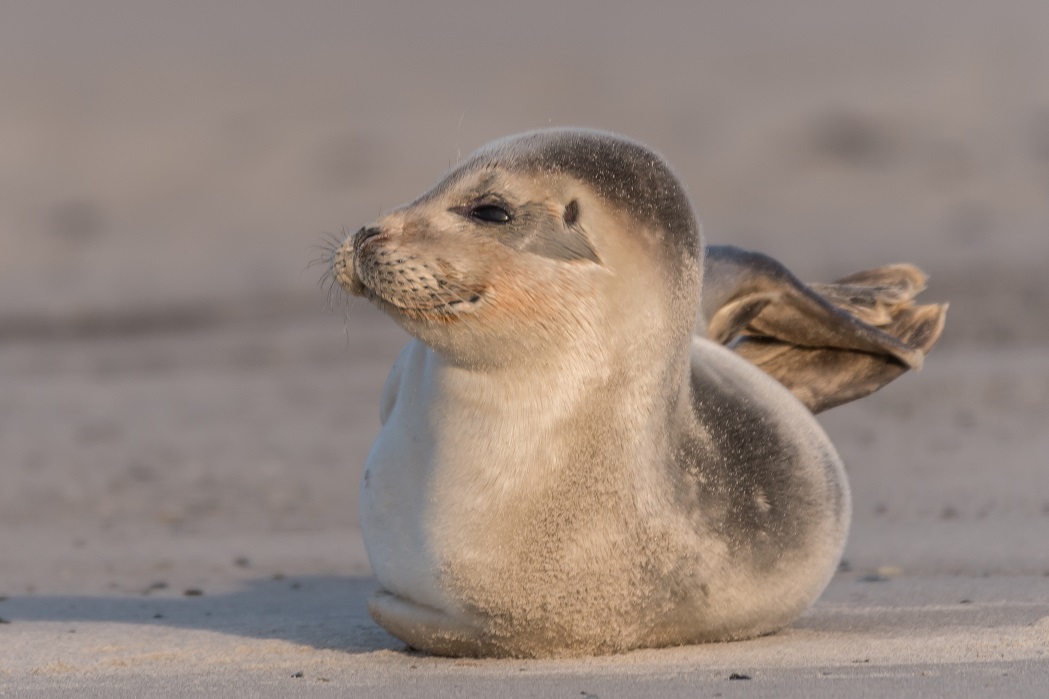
{"x":571,"y":213}
{"x":562,"y":242}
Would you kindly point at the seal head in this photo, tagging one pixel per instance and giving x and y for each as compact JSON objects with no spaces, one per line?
{"x":506,"y":250}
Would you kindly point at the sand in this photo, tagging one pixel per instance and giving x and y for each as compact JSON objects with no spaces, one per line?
{"x":183,"y":422}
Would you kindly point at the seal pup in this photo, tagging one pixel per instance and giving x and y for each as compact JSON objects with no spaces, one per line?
{"x":564,"y":467}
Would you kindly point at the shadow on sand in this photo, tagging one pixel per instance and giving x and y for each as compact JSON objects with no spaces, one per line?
{"x":325,"y":612}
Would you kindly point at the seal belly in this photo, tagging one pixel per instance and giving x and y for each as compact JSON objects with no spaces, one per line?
{"x":394,"y":497}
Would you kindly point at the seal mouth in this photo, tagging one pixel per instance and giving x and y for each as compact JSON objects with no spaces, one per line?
{"x":440,"y":311}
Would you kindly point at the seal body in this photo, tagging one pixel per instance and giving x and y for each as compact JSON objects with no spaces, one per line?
{"x":563,"y":467}
{"x":521,"y":529}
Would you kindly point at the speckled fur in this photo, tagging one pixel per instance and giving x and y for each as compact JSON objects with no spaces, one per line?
{"x":563,"y":468}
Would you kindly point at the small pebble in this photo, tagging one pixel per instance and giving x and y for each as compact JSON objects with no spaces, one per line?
{"x":873,"y":577}
{"x":154,"y":586}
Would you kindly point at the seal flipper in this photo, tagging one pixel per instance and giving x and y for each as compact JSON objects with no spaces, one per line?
{"x":823,"y":378}
{"x":427,"y":629}
{"x":820,"y":340}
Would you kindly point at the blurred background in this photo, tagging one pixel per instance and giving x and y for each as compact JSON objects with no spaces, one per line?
{"x":168,"y":365}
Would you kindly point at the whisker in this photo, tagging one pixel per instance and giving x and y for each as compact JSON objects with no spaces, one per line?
{"x":337,"y":240}
{"x":325,"y":253}
{"x":325,"y":280}
{"x":333,"y":292}
{"x":327,"y":243}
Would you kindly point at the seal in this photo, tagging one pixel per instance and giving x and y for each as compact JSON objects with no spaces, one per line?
{"x":566,"y":467}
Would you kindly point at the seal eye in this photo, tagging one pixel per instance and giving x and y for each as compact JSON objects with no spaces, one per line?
{"x":490,"y":213}
{"x":571,"y":213}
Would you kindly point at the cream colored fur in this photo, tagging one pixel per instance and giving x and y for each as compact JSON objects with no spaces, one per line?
{"x":526,"y":495}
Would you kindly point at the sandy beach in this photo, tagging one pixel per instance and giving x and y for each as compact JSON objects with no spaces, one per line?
{"x":183,"y":420}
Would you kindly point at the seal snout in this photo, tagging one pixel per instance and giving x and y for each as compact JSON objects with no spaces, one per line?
{"x":392,"y":264}
{"x":344,"y":262}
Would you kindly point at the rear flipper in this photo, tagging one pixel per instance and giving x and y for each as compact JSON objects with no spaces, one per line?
{"x":828,"y":343}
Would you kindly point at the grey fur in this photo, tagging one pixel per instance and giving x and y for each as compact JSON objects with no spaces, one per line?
{"x":532,"y":229}
{"x":629,"y":175}
{"x":561,"y":242}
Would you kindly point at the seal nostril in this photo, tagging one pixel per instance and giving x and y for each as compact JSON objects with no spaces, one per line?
{"x":365,"y":233}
